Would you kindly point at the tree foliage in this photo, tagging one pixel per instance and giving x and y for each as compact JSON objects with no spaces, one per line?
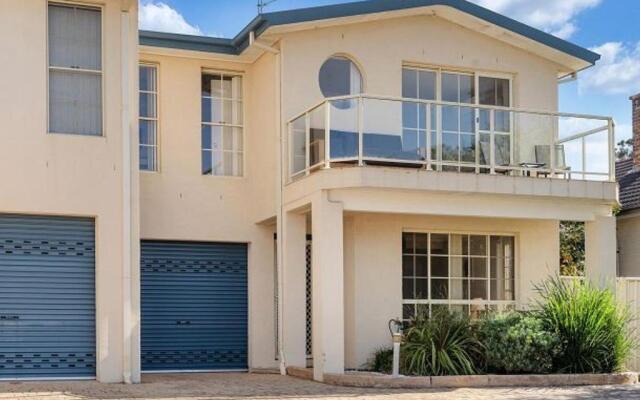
{"x":571,"y":248}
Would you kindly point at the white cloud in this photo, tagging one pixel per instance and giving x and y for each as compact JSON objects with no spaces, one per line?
{"x":617,"y":72}
{"x":553,"y":16}
{"x":159,"y":16}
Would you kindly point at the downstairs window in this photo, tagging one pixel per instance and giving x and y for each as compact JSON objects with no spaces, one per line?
{"x":465,"y":272}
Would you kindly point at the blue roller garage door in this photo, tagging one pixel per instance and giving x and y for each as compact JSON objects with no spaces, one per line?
{"x":47,"y":297}
{"x":194,"y":306}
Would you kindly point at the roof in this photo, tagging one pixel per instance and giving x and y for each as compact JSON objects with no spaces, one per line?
{"x":628,"y":179}
{"x":236,"y":45}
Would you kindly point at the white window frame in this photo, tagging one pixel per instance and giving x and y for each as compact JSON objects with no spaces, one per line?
{"x":100,"y":72}
{"x":156,"y":166}
{"x":485,"y":304}
{"x":438,"y":71}
{"x":242,"y":126}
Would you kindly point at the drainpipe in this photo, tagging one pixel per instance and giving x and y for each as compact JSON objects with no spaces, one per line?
{"x":126,"y":197}
{"x":280,"y":207}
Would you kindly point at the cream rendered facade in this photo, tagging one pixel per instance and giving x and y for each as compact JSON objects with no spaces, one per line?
{"x":356,"y":215}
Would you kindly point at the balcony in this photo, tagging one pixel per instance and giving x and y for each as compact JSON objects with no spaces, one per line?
{"x":368,"y":130}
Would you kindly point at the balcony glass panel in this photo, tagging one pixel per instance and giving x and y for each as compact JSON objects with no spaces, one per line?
{"x":344,"y":129}
{"x":461,"y":137}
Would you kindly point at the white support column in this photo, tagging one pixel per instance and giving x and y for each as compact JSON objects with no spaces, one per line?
{"x":328,"y":286}
{"x":600,"y":251}
{"x":294,"y":289}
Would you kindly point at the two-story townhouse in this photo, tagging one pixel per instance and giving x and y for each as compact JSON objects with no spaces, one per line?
{"x":299,"y":185}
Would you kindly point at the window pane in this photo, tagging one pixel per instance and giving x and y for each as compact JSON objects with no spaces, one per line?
{"x":503,"y":97}
{"x":75,"y":37}
{"x":207,"y":168}
{"x":147,"y":158}
{"x":502,"y":121}
{"x":207,"y":142}
{"x":502,"y":246}
{"x":478,"y":289}
{"x":408,"y":311}
{"x":502,"y":290}
{"x":409,"y":83}
{"x":459,"y":267}
{"x":227,"y":92}
{"x":422,"y":243}
{"x":439,"y":243}
{"x":439,"y":289}
{"x":440,"y":266}
{"x":427,"y":85}
{"x":459,"y":244}
{"x":422,"y":268}
{"x":450,"y":119}
{"x":478,"y":267}
{"x":467,"y":120}
{"x":407,"y":288}
{"x":487,"y":91}
{"x":478,"y":245}
{"x":75,"y":103}
{"x":212,"y":85}
{"x":147,"y":132}
{"x":459,"y":289}
{"x":467,"y":148}
{"x":450,"y":146}
{"x":409,"y":115}
{"x":147,"y":105}
{"x":467,"y":89}
{"x":407,"y":243}
{"x":148,"y":78}
{"x":450,"y":88}
{"x":422,"y":288}
{"x":407,"y":266}
{"x":339,"y":77}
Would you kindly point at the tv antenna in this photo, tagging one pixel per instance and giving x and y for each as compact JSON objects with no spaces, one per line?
{"x":262,"y":4}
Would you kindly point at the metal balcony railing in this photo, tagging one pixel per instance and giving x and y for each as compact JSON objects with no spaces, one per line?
{"x":443,"y":136}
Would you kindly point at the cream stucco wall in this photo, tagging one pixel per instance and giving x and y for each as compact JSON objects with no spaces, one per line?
{"x":373,"y":268}
{"x":629,"y":245}
{"x":56,"y":174}
{"x":179,"y":203}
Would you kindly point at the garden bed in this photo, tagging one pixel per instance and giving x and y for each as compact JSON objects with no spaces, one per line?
{"x":377,"y":380}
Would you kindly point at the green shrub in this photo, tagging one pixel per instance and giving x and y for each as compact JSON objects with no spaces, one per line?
{"x":517,"y":343}
{"x":441,"y":345}
{"x":382,"y":360}
{"x":591,"y":325}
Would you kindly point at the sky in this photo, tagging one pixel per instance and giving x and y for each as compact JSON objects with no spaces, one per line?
{"x":608,"y":27}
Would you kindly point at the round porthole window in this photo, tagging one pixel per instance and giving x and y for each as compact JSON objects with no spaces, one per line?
{"x":340,"y":76}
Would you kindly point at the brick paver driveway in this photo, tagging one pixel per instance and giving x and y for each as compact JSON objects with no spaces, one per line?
{"x":265,"y":387}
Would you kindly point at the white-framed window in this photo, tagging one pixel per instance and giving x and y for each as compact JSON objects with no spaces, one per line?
{"x":75,"y":69}
{"x":452,"y":136}
{"x":222,"y":124}
{"x":465,"y":272}
{"x":148,"y":117}
{"x":339,"y":76}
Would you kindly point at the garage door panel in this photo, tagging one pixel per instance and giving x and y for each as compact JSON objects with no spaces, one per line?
{"x":47,"y":297}
{"x":194,"y":306}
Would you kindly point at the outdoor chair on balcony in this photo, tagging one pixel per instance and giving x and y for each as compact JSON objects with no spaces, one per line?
{"x":543,"y":155}
{"x":502,"y":157}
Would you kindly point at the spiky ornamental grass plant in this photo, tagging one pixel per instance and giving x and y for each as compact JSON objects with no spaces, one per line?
{"x":592,"y":326}
{"x":441,"y":345}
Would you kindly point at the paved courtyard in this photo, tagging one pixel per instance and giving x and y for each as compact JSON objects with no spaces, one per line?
{"x":265,"y":387}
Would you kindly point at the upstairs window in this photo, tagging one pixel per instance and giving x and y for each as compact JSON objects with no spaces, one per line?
{"x":340,"y":76}
{"x":222,"y":125}
{"x":148,"y":123}
{"x":75,"y":69}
